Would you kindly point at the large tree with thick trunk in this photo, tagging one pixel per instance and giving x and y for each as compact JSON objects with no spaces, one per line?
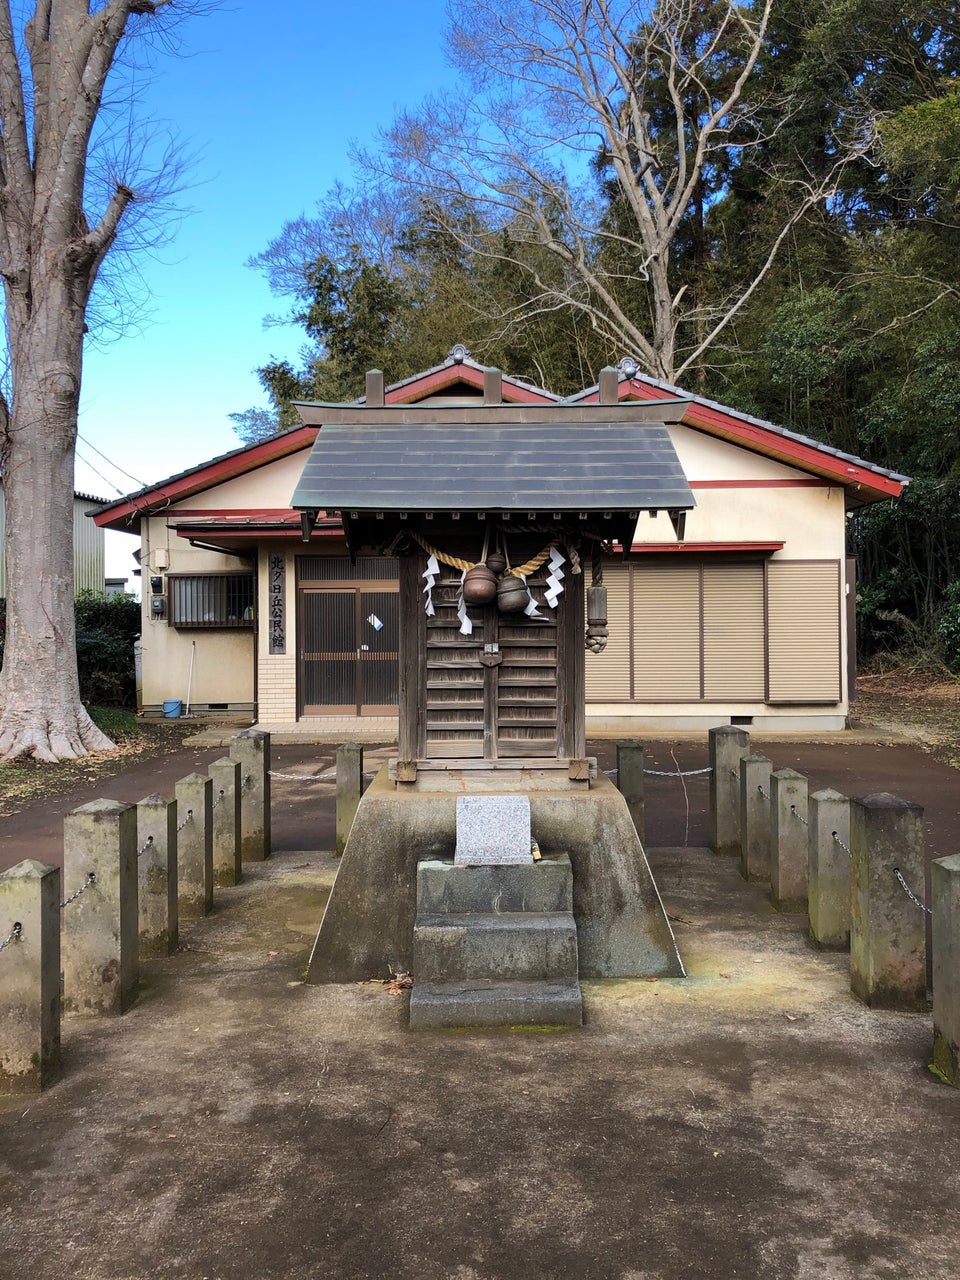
{"x":53,"y":71}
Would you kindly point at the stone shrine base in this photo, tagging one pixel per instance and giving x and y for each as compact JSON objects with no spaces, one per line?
{"x":367,"y":927}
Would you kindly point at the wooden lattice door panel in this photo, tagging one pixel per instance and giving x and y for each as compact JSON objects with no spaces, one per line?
{"x":526,"y":680}
{"x":455,"y":677}
{"x":499,"y":704}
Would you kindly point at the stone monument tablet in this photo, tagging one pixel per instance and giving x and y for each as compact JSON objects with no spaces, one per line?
{"x":493,"y":830}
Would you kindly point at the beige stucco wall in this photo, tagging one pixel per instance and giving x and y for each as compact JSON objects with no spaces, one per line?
{"x":810,"y":521}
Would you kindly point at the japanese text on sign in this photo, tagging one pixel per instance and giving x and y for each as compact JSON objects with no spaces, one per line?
{"x":277,"y":604}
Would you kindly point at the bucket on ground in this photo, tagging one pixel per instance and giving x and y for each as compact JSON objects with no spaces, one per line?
{"x":172,"y":708}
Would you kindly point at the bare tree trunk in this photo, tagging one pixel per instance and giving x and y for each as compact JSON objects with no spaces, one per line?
{"x":42,"y":715}
{"x":54,"y":66}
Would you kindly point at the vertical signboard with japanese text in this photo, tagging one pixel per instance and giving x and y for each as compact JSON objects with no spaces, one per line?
{"x":277,"y":606}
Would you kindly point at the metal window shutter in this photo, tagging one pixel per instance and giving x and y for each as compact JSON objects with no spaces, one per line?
{"x":608,"y":673}
{"x":803,"y":629}
{"x":666,"y":633}
{"x":733,"y":648}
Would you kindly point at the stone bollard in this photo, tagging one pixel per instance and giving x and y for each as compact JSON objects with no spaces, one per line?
{"x":789,"y":843}
{"x":887,"y":929}
{"x":945,"y":892}
{"x":829,"y":870}
{"x":252,"y":749}
{"x":349,"y":789}
{"x":755,"y":771}
{"x":100,"y":958}
{"x":29,"y":977}
{"x":225,"y":775}
{"x":727,"y":745}
{"x":157,"y":859}
{"x":630,"y":780}
{"x":194,"y":846}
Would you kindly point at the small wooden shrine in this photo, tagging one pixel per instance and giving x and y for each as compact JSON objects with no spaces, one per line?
{"x":497,"y":513}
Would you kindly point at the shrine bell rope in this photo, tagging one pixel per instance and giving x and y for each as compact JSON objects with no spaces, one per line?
{"x":455,"y":562}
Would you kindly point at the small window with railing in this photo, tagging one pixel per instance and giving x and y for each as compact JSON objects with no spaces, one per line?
{"x":211,"y":599}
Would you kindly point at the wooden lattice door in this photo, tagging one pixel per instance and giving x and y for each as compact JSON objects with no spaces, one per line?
{"x":492,"y":694}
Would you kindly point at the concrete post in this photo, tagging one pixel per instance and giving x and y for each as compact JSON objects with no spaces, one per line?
{"x":630,"y":780}
{"x":887,"y":929}
{"x":225,"y":775}
{"x":755,"y":771}
{"x":157,"y":859}
{"x":349,"y":789}
{"x":100,"y":959}
{"x":789,"y":852}
{"x":194,"y":846}
{"x":727,"y":745}
{"x":829,"y":870}
{"x":29,"y":977}
{"x":252,"y":749}
{"x":945,"y":892}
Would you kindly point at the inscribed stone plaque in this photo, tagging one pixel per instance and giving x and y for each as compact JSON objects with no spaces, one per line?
{"x":493,"y":829}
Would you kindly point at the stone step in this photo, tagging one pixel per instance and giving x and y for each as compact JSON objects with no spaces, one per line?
{"x":542,"y":886}
{"x":485,"y":1002}
{"x":494,"y":945}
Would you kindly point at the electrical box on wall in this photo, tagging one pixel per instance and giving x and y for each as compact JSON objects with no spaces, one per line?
{"x":156,"y":584}
{"x":158,"y":606}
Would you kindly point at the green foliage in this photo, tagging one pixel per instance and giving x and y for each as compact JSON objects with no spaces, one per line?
{"x":106,"y":629}
{"x":948,"y":628}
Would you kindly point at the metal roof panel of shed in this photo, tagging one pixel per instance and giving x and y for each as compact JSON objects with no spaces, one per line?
{"x":517,"y":466}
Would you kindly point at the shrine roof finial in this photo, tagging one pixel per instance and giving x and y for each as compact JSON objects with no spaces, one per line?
{"x":458,"y":353}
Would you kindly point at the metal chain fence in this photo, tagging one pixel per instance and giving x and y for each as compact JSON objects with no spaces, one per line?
{"x":909,"y":892}
{"x":91,"y":879}
{"x":12,"y":936}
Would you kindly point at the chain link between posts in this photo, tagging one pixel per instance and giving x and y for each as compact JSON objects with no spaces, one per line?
{"x":909,"y":892}
{"x":12,"y":936}
{"x":91,"y":879}
{"x":188,"y":818}
{"x":147,"y":844}
{"x":797,"y":814}
{"x":220,"y":794}
{"x":845,"y":848}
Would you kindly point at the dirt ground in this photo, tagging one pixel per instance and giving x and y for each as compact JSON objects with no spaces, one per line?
{"x":751,"y":1120}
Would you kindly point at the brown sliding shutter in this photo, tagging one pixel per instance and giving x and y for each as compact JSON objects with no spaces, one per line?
{"x":803,"y":624}
{"x":666,"y":632}
{"x":608,"y":673}
{"x":733,"y":635}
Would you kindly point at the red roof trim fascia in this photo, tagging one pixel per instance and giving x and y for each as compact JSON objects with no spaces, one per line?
{"x":700,"y":547}
{"x":792,"y":450}
{"x":748,"y":433}
{"x":125,"y":510}
{"x":448,"y":377}
{"x":251,"y":513}
{"x":236,"y":534}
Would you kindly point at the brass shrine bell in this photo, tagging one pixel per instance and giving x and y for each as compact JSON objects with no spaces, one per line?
{"x":512,"y":594}
{"x":479,"y":585}
{"x":496,"y":562}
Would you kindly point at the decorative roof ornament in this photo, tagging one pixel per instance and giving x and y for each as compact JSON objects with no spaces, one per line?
{"x":458,"y":353}
{"x":628,"y":367}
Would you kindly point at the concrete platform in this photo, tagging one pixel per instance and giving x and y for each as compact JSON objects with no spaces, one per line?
{"x":482,"y":1002}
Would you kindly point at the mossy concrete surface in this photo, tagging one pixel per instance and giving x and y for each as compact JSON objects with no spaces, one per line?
{"x":751,"y":1120}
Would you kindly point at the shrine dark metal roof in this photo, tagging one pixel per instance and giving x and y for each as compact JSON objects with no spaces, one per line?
{"x":476,"y":466}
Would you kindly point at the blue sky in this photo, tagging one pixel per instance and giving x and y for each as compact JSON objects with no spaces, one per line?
{"x":270,"y":100}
